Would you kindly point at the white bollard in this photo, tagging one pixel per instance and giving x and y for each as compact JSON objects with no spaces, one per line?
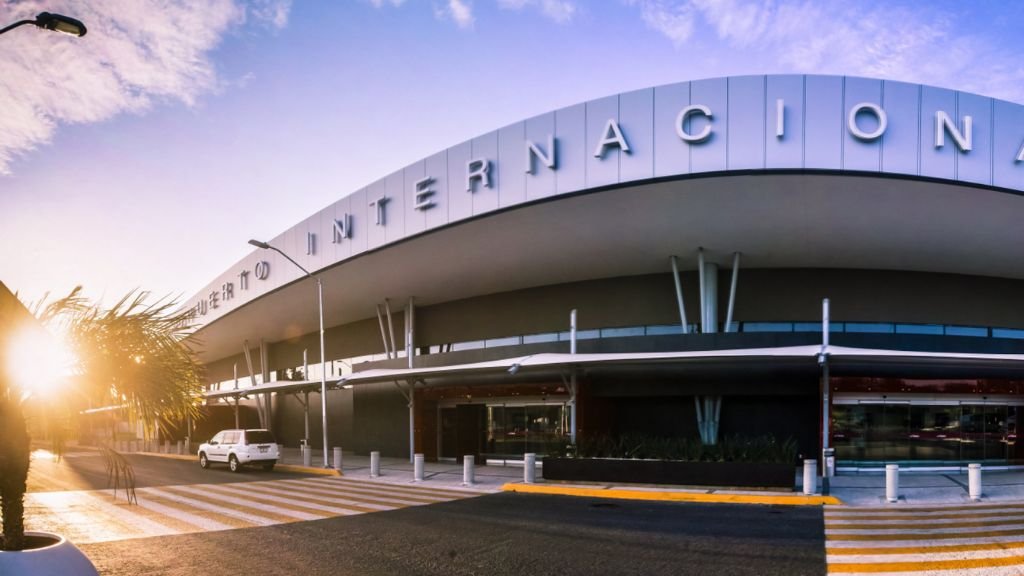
{"x":181,"y":447}
{"x":417,"y":468}
{"x":974,"y":481}
{"x":337,"y":458}
{"x":467,"y":470}
{"x":307,"y":456}
{"x":167,"y":446}
{"x":892,"y":483}
{"x":529,"y":468}
{"x":374,"y":464}
{"x":810,"y":477}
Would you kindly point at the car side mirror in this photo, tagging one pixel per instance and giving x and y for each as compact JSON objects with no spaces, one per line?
{"x":214,"y":442}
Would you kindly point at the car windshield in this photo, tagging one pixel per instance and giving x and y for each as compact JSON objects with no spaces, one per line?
{"x":259,"y":437}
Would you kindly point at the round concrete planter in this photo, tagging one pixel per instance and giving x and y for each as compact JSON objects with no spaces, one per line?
{"x":48,"y":555}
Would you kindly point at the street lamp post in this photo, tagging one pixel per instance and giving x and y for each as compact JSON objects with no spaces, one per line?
{"x":55,"y":22}
{"x":323,"y":355}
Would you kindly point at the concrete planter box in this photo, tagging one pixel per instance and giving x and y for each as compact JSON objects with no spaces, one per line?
{"x":740,"y":474}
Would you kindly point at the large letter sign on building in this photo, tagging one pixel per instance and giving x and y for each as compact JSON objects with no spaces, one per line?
{"x":787,"y":122}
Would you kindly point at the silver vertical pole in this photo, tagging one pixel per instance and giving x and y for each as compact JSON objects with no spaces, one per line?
{"x":236,"y":375}
{"x":572,"y":378}
{"x":410,"y":332}
{"x":305,"y":397}
{"x":412,"y":421}
{"x":824,"y":374}
{"x":572,"y":331}
{"x":703,"y":298}
{"x":732,"y":291}
{"x":679,"y":295}
{"x":323,"y":369}
{"x":236,"y":412}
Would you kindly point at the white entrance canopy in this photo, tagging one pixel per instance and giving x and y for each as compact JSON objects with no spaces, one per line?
{"x":554,"y":362}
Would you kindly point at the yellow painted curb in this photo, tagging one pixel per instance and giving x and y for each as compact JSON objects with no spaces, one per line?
{"x":283,"y":467}
{"x":703,"y":497}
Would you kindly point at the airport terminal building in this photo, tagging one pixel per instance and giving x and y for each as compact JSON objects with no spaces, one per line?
{"x":656,"y":262}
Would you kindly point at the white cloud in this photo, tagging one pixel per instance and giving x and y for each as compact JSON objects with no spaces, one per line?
{"x":459,"y":11}
{"x":557,"y":10}
{"x":136,"y":53}
{"x":273,"y":12}
{"x":882,"y":40}
{"x":379,"y":3}
{"x":675,"y":20}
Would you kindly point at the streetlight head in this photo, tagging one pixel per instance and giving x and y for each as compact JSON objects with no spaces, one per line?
{"x":259,"y":244}
{"x":60,"y":23}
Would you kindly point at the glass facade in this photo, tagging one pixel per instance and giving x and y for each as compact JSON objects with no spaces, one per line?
{"x":926,"y":433}
{"x":503,"y":431}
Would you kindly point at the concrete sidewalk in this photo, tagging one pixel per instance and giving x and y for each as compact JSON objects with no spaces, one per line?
{"x":863,"y":488}
{"x":918,"y":488}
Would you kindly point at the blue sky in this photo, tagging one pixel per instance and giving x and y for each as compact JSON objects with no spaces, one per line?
{"x":146,"y":153}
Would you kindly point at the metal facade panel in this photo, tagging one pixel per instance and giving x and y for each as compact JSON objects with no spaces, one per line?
{"x":976,"y":165}
{"x":900,"y":142}
{"x":460,"y":201}
{"x":437,"y":168}
{"x":376,"y":231}
{"x":1008,"y":172}
{"x":786,"y":151}
{"x":309,"y":255}
{"x":321,"y":225}
{"x":512,"y":157}
{"x":671,"y":154}
{"x":604,"y":169}
{"x":361,"y":221}
{"x":824,"y":123}
{"x":863,"y":155}
{"x":571,"y":132}
{"x":937,"y":162}
{"x":636,"y":116}
{"x":341,"y":247}
{"x":416,"y":220}
{"x":711,"y":155}
{"x":541,"y":183}
{"x":485,"y":199}
{"x":394,"y":209}
{"x":746,"y":122}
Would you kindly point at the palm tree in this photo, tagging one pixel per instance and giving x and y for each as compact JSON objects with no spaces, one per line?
{"x":134,"y":354}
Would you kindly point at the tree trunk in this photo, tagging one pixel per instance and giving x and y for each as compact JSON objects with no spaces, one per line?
{"x":14,"y":462}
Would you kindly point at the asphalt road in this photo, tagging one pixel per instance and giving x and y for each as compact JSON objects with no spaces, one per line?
{"x":513,"y":534}
{"x":86,"y":470}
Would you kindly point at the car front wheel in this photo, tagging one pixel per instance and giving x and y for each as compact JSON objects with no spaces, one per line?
{"x":203,"y":461}
{"x":233,"y":464}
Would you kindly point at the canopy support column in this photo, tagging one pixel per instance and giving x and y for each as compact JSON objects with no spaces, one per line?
{"x":679,"y":295}
{"x":732,"y":291}
{"x":383,"y":333}
{"x":708,"y":417}
{"x":410,"y":398}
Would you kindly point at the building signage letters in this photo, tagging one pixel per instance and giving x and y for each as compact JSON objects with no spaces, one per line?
{"x":694,"y":125}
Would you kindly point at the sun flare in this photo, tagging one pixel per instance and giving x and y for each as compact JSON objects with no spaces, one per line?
{"x":39,"y":362}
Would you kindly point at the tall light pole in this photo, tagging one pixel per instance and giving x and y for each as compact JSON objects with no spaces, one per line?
{"x":323,"y":355}
{"x":55,"y":22}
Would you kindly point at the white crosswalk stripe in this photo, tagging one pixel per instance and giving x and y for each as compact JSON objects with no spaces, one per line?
{"x":96,"y":516}
{"x":978,"y":539}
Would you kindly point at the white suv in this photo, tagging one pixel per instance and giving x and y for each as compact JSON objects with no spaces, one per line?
{"x":240,"y":447}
